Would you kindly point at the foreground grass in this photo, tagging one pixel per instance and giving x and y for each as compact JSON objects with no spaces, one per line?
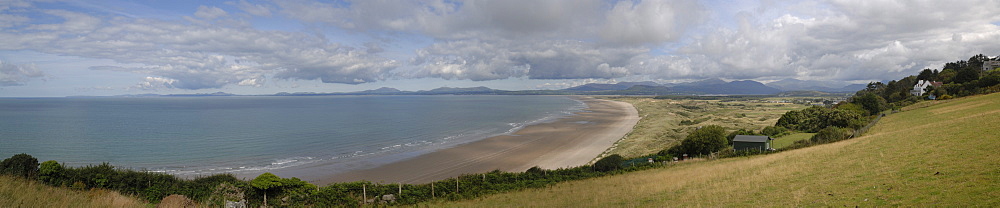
{"x":784,"y":141}
{"x":17,"y":192}
{"x":940,"y":155}
{"x":660,"y":125}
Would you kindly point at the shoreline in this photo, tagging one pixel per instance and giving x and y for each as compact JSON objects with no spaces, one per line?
{"x":566,"y":142}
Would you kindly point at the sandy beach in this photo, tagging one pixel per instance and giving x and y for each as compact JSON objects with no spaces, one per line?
{"x":567,"y":142}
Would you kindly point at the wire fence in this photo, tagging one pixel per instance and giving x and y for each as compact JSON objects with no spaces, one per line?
{"x":862,"y":130}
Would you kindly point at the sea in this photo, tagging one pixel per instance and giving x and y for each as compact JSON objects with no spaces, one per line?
{"x":248,"y":135}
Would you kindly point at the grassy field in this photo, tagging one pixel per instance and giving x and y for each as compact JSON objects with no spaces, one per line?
{"x":784,"y":141}
{"x":16,"y":192}
{"x":942,"y":155}
{"x":661,"y":125}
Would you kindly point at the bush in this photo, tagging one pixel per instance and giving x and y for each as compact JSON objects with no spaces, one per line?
{"x":774,"y":131}
{"x":609,"y":163}
{"x":50,"y":172}
{"x":22,"y":165}
{"x":832,"y":134}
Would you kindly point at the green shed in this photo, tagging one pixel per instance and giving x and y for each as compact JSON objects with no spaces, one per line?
{"x":747,"y":142}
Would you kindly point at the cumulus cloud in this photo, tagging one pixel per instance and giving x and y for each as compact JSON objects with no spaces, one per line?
{"x":18,"y":74}
{"x":196,"y":56}
{"x":650,"y":21}
{"x":839,"y":40}
{"x":490,"y":60}
{"x":253,"y":9}
{"x":848,"y":40}
{"x":206,"y":12}
{"x":490,"y":40}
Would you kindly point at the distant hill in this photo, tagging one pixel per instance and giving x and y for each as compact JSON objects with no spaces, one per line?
{"x":383,"y":90}
{"x":822,"y":86}
{"x":608,"y":87}
{"x":717,"y":86}
{"x":460,"y":91}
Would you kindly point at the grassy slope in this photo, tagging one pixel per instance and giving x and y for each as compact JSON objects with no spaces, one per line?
{"x":786,"y":140}
{"x":660,"y":125}
{"x":15,"y":192}
{"x":942,"y":155}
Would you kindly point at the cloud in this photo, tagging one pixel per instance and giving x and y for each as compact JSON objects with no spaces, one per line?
{"x":200,"y":55}
{"x":206,"y":12}
{"x":490,"y":60}
{"x":847,"y":40}
{"x":75,"y":22}
{"x":252,"y":9}
{"x":837,"y":40}
{"x":650,"y":21}
{"x":18,"y":74}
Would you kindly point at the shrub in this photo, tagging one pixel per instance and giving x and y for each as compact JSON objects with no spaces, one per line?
{"x":609,"y":163}
{"x":51,"y":172}
{"x":535,"y":170}
{"x":22,"y":165}
{"x":832,"y":134}
{"x":774,"y":131}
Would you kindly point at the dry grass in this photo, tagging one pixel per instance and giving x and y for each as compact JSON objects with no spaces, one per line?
{"x":16,"y":192}
{"x":660,"y":128}
{"x":913,"y":158}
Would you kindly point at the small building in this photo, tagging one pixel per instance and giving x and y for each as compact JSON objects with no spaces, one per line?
{"x":747,"y":142}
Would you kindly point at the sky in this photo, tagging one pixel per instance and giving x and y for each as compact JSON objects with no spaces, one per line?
{"x":114,"y":47}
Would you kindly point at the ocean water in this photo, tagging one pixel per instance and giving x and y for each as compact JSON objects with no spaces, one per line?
{"x":190,"y":136}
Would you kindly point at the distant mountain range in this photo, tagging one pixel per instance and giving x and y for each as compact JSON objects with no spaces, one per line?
{"x":822,"y":86}
{"x":718,"y":86}
{"x":702,"y":87}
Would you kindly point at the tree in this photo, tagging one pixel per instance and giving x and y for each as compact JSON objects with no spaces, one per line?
{"x":704,"y":141}
{"x":871,"y":103}
{"x":926,"y":74}
{"x":609,"y":163}
{"x":790,"y":120}
{"x":22,"y":165}
{"x":265,"y":182}
{"x":50,"y":172}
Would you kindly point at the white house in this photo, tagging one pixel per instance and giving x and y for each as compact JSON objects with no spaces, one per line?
{"x":990,"y":65}
{"x":922,"y":85}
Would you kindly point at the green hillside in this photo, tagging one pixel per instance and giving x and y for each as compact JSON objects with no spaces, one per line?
{"x":937,"y":155}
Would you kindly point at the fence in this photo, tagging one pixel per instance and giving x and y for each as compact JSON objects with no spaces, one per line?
{"x":862,"y":130}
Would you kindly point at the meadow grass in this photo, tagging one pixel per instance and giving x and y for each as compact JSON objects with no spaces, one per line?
{"x":660,"y":125}
{"x":784,"y":141}
{"x":19,"y":192}
{"x":942,"y":155}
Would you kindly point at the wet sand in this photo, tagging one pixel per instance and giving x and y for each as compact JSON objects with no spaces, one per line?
{"x":567,"y":142}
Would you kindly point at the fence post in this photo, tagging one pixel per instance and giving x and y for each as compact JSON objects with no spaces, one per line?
{"x":364,"y":192}
{"x":432,"y":190}
{"x":400,"y":193}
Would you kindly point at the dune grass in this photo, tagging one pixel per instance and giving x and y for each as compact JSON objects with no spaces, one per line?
{"x":784,"y":141}
{"x":18,"y":192}
{"x":942,"y":155}
{"x":660,"y":126}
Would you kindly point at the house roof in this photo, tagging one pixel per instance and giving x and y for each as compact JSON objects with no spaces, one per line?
{"x":748,"y":138}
